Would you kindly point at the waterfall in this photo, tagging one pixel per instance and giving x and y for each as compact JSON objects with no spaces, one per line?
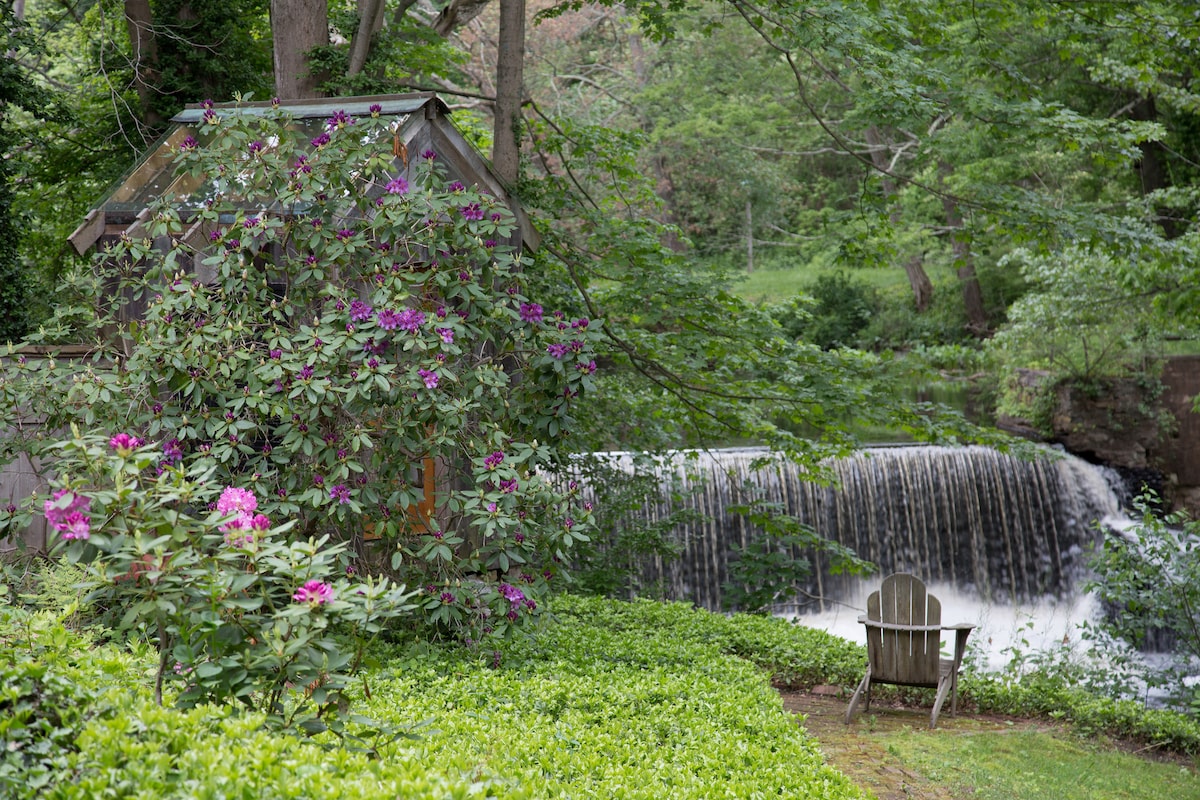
{"x":994,"y":527}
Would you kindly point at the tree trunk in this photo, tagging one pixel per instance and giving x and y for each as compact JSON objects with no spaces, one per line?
{"x":457,"y":14}
{"x":510,"y":70}
{"x":914,"y":268}
{"x":370,"y":21}
{"x":1150,"y":168}
{"x":964,"y":263}
{"x":297,"y":26}
{"x":749,"y":236}
{"x":140,"y":22}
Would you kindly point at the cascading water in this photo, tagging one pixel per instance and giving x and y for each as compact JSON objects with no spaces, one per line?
{"x":996,"y":528}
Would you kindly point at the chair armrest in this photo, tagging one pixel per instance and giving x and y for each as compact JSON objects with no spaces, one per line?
{"x":892,"y":626}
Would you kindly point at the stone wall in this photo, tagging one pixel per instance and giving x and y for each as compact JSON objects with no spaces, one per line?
{"x":1122,"y":424}
{"x":1178,"y":453}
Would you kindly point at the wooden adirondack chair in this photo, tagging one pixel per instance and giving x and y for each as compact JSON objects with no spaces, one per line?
{"x":904,"y":642}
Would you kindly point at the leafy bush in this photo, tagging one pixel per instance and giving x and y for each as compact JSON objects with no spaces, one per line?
{"x":840,"y":308}
{"x":1050,"y":695}
{"x":1148,"y":577}
{"x":767,"y":571}
{"x":610,"y":563}
{"x":51,"y":687}
{"x":235,"y":610}
{"x":897,"y":324}
{"x":353,"y":348}
{"x":1077,"y":328}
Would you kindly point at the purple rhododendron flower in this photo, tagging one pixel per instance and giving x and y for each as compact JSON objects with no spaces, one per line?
{"x":189,"y":143}
{"x":321,"y":140}
{"x":508,"y":486}
{"x":429,"y":155}
{"x":531,"y":313}
{"x":396,"y":185}
{"x":306,"y":372}
{"x":340,"y":119}
{"x":494,"y":460}
{"x":340,"y":492}
{"x":447,"y":334}
{"x":172,"y":453}
{"x":511,"y":593}
{"x":375,"y":109}
{"x":472,"y":211}
{"x":457,"y":186}
{"x":430,"y":377}
{"x":411,"y":320}
{"x":314,"y":592}
{"x":76,"y":525}
{"x":447,"y":598}
{"x":556,"y":350}
{"x":124,"y":444}
{"x":388,"y":319}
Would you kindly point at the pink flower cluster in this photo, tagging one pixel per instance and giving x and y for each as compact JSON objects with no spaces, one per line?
{"x":66,"y":514}
{"x":242,"y":504}
{"x":314,"y":592}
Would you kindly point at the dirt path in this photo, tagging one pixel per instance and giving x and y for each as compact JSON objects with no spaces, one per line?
{"x":858,"y":751}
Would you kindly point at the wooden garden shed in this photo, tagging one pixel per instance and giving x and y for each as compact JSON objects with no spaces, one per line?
{"x":417,"y":122}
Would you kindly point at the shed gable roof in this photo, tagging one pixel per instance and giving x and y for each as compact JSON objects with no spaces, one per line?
{"x":422,"y":123}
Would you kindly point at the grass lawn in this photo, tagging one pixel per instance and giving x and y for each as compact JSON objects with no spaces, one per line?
{"x":772,"y":285}
{"x":1032,"y":765}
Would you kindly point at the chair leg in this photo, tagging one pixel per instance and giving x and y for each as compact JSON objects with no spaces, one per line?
{"x":863,"y":688}
{"x":944,"y":686}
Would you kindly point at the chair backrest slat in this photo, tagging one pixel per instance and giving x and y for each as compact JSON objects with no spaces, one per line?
{"x":898,"y":656}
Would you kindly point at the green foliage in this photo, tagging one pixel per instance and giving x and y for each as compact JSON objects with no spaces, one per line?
{"x":1079,"y":324}
{"x":235,"y":610}
{"x":17,"y":92}
{"x":361,"y":355}
{"x":51,"y":686}
{"x":1148,"y":578}
{"x":587,"y":705}
{"x":610,"y":563}
{"x":767,"y":570}
{"x":407,"y":54}
{"x":1050,"y":695}
{"x":841,"y":308}
{"x":793,"y":655}
{"x":898,"y":325}
{"x":688,"y":362}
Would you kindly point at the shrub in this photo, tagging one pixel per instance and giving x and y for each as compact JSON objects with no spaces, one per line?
{"x":50,"y":689}
{"x":840,"y":308}
{"x":353,"y":347}
{"x":1148,"y":577}
{"x":236,"y":611}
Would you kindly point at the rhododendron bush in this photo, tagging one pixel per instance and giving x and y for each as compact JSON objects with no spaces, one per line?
{"x":237,"y":608}
{"x":344,"y":335}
